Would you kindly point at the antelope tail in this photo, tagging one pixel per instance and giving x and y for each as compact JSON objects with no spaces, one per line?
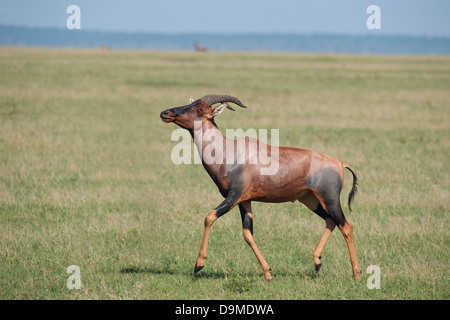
{"x":352,"y":193}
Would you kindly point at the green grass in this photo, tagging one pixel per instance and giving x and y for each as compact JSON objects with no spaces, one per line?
{"x":86,"y":176}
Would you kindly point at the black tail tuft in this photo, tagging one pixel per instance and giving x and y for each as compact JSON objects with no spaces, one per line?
{"x":352,"y":193}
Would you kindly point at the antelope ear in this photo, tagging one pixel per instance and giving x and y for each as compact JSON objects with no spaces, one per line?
{"x":218,"y":110}
{"x":191,"y":99}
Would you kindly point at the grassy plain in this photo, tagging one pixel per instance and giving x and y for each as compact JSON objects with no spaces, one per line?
{"x":86,"y":176}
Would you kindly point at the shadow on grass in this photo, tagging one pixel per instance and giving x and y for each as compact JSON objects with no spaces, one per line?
{"x":213,"y":274}
{"x":138,"y":270}
{"x":168,"y":271}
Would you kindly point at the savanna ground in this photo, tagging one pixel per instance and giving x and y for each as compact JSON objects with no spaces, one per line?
{"x":86,"y":176}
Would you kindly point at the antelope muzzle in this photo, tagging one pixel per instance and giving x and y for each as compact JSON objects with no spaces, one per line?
{"x":167,"y":116}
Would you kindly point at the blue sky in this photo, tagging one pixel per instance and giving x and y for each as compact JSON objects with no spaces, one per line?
{"x":405,"y":17}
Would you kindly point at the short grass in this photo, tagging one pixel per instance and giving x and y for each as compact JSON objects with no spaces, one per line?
{"x":86,"y":176}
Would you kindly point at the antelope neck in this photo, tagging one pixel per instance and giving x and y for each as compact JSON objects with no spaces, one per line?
{"x":209,"y":136}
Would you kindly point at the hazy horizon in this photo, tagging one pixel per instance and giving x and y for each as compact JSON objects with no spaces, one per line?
{"x":230,"y":33}
{"x":270,"y":42}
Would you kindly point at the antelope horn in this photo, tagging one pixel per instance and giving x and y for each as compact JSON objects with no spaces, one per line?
{"x":229,"y":107}
{"x":211,"y":99}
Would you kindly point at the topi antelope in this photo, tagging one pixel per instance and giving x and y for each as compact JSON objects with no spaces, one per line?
{"x":200,"y":48}
{"x":310,"y":177}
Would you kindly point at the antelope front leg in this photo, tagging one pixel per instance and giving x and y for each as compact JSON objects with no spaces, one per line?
{"x":223,"y":208}
{"x":209,"y":220}
{"x":247,"y":227}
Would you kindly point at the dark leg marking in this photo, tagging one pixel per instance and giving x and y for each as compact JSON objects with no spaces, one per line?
{"x":228,"y":203}
{"x":321,"y":212}
{"x":328,"y":184}
{"x":247,"y":221}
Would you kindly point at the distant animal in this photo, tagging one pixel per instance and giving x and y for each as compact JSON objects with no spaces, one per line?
{"x":105,"y":47}
{"x":200,"y":47}
{"x":310,"y":177}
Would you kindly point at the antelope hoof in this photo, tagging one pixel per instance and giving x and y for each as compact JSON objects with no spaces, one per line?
{"x":317,"y":263}
{"x":268,"y":276}
{"x":357,"y":274}
{"x":318,"y":267}
{"x":197,"y":269}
